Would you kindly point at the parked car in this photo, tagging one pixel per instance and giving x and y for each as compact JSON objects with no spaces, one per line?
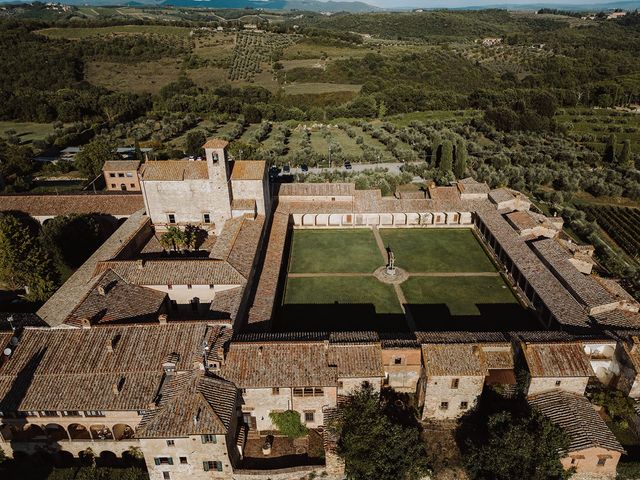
{"x":347,"y":165}
{"x":286,"y":169}
{"x":304,"y":167}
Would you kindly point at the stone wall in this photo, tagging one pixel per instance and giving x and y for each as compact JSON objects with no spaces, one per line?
{"x":589,"y":464}
{"x":404,"y":376}
{"x":575,"y":385}
{"x":441,"y":389}
{"x":251,"y":190}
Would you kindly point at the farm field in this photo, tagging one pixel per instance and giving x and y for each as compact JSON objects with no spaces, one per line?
{"x":27,"y":132}
{"x":622,"y":224}
{"x":317,"y":88}
{"x":77,"y":33}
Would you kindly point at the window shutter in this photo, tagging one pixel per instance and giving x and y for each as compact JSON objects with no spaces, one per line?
{"x":219,"y":466}
{"x":156,"y":461}
{"x":205,"y":465}
{"x":170,"y":460}
{"x":214,"y":439}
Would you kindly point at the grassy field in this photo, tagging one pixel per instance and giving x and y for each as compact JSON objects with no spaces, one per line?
{"x":77,"y":33}
{"x":445,"y":250}
{"x":461,"y":295}
{"x":334,"y":251}
{"x":27,"y":132}
{"x":304,"y":88}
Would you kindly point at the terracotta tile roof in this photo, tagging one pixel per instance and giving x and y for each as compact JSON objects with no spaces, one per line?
{"x":215,"y":143}
{"x":460,"y":337}
{"x":226,"y":303}
{"x":564,"y":308}
{"x":618,"y":319}
{"x":356,"y":361}
{"x":56,"y":310}
{"x":193,"y":271}
{"x":248,"y":170}
{"x":118,"y":204}
{"x":238,"y":243}
{"x":501,"y":195}
{"x":522,"y":220}
{"x":174,"y":170}
{"x":557,"y":360}
{"x":261,"y":310}
{"x":78,"y":369}
{"x":113,"y":300}
{"x":615,"y":289}
{"x":446,"y":194}
{"x":577,"y":417}
{"x":317,"y":189}
{"x":265,"y":365}
{"x":583,"y":287}
{"x":452,"y":360}
{"x":191,"y":403}
{"x":120,"y":165}
{"x":471,"y":186}
{"x":498,"y":357}
{"x":243,"y":204}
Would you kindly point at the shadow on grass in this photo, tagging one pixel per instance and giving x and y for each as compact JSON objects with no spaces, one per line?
{"x":337,"y":317}
{"x":500,"y":317}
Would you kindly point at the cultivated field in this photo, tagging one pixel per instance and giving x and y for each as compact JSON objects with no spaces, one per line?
{"x":622,"y":224}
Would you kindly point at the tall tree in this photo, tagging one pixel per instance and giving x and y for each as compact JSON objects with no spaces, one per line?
{"x":377,"y":443}
{"x":93,"y":155}
{"x":524,"y":446}
{"x":193,"y":143}
{"x":23,"y":260}
{"x":460,"y":163}
{"x":446,"y":159}
{"x":609,"y":154}
{"x":625,"y":155}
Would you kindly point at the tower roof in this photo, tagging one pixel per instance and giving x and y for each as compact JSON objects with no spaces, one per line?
{"x":215,"y":143}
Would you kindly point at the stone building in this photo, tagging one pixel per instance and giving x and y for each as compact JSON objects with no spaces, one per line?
{"x":557,"y":366}
{"x":121,"y":175}
{"x":593,"y":448}
{"x":204,"y":192}
{"x":402,"y":361}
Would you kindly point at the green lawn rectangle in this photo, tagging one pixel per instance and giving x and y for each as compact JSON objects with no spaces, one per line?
{"x":334,"y":251}
{"x":437,"y":250}
{"x":330,"y":290}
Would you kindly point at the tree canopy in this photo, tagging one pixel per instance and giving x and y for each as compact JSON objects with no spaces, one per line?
{"x":93,"y":155}
{"x":375,"y":442}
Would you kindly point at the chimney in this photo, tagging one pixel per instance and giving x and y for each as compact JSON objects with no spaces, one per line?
{"x":85,"y":322}
{"x":260,"y":351}
{"x":102,"y":290}
{"x":140,"y":263}
{"x":162,"y":318}
{"x":113,"y":343}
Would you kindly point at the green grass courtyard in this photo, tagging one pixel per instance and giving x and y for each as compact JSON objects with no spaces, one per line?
{"x":452,"y":283}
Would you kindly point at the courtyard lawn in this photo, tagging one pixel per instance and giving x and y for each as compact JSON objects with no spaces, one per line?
{"x":334,"y":251}
{"x":331,"y":303}
{"x":437,"y":250}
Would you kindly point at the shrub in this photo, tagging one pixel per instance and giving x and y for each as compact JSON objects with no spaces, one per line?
{"x":289,"y":423}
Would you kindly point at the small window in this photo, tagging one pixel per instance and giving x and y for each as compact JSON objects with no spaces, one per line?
{"x":163,"y":460}
{"x":183,"y":461}
{"x":206,"y":218}
{"x":133,"y":185}
{"x":112,"y":175}
{"x":464,"y":405}
{"x":309,"y":417}
{"x":275,"y":391}
{"x":455,"y":382}
{"x":129,"y":174}
{"x":397,"y":361}
{"x":166,"y":475}
{"x":340,"y":384}
{"x":194,"y":304}
{"x":94,"y":413}
{"x":210,"y":465}
{"x":444,"y":405}
{"x":113,"y":185}
{"x":208,"y":438}
{"x":189,"y":286}
{"x":308,"y":392}
{"x":243,"y":391}
{"x":171,"y":217}
{"x":558,"y":382}
{"x":174,"y":304}
{"x":298,"y":392}
{"x":169,"y":287}
{"x":211,"y":286}
{"x":602,"y":461}
{"x":71,"y":413}
{"x":171,"y":443}
{"x":121,"y":175}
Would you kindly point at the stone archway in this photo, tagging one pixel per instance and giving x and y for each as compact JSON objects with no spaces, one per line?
{"x":107,"y":459}
{"x":122,"y":431}
{"x":100,"y":432}
{"x":78,"y":432}
{"x":56,"y":432}
{"x":29,"y":432}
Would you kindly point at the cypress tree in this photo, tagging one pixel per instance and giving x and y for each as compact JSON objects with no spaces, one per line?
{"x":609,"y":154}
{"x":625,"y":156}
{"x":446,"y":159}
{"x":460,"y":163}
